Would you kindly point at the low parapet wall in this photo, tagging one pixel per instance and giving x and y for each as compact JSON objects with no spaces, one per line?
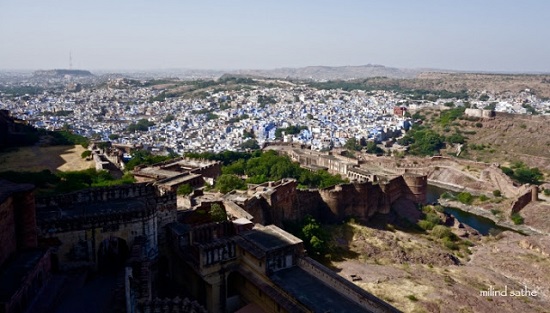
{"x":93,"y":195}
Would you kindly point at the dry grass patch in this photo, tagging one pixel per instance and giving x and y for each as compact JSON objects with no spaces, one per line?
{"x":54,"y":158}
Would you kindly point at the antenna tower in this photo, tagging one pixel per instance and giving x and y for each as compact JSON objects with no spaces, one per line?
{"x":70,"y":60}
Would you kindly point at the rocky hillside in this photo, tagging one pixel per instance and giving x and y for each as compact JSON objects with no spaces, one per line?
{"x":474,"y":83}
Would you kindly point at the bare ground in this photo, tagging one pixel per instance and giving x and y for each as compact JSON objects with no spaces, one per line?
{"x":433,"y":284}
{"x":54,"y":158}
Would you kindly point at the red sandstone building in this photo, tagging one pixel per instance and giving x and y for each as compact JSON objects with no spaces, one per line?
{"x":399,"y":111}
{"x":25,"y":268}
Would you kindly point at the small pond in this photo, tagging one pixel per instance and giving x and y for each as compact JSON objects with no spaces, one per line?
{"x":483,"y":225}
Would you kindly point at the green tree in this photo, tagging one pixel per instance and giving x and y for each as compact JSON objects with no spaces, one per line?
{"x":250,"y":144}
{"x":185,"y":190}
{"x":141,"y":125}
{"x":217,"y":213}
{"x":372,"y":148}
{"x":526,"y":175}
{"x":314,"y":236}
{"x":465,"y":197}
{"x":228,"y":182}
{"x":86,"y":154}
{"x":352,"y":144}
{"x":236,"y":168}
{"x":425,"y":142}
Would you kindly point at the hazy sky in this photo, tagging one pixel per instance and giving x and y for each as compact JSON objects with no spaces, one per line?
{"x":494,"y":35}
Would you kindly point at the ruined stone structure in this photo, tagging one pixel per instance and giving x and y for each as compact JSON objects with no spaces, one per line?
{"x":24,"y":268}
{"x":232,"y":265}
{"x":169,"y":175}
{"x":481,"y":113}
{"x":531,"y":195}
{"x":275,"y":202}
{"x":96,"y":227}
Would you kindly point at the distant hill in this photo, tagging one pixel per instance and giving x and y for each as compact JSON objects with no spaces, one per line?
{"x":62,"y":73}
{"x":333,"y":72}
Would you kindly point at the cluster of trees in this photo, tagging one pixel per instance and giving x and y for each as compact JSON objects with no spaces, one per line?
{"x":521,"y":173}
{"x":62,"y":182}
{"x":141,"y":125}
{"x":265,"y":100}
{"x":290,"y":130}
{"x":250,"y":144}
{"x":448,"y":116}
{"x":144,"y":157}
{"x":371,"y":147}
{"x":226,"y":157}
{"x":422,"y":141}
{"x":261,"y":167}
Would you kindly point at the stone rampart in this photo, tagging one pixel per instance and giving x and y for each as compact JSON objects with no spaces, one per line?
{"x":276,"y":202}
{"x":523,"y":200}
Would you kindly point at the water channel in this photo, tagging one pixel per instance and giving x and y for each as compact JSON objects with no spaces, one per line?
{"x":483,"y":225}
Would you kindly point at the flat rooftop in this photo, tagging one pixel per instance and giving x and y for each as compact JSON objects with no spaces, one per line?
{"x":181,"y":179}
{"x":157,"y":172}
{"x":313,"y":293}
{"x":270,"y":237}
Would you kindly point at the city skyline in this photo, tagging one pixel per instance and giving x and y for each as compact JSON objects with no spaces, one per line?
{"x":499,"y":36}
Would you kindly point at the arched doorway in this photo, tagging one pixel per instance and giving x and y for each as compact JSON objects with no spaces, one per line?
{"x":235,"y":283}
{"x":112,"y":255}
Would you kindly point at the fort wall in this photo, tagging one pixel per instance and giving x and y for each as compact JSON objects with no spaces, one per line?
{"x":277,"y":202}
{"x":523,"y":200}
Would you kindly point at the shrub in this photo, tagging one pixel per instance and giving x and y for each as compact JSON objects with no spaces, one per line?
{"x":449,"y":244}
{"x":433,"y":218}
{"x":447,"y":195}
{"x":217,"y":213}
{"x":497,"y":193}
{"x":413,"y":298}
{"x":441,"y":231}
{"x":517,"y":219}
{"x":465,"y":197}
{"x":184,"y":190}
{"x":426,"y":225}
{"x":86,"y":154}
{"x":483,"y":198}
{"x":546,"y":192}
